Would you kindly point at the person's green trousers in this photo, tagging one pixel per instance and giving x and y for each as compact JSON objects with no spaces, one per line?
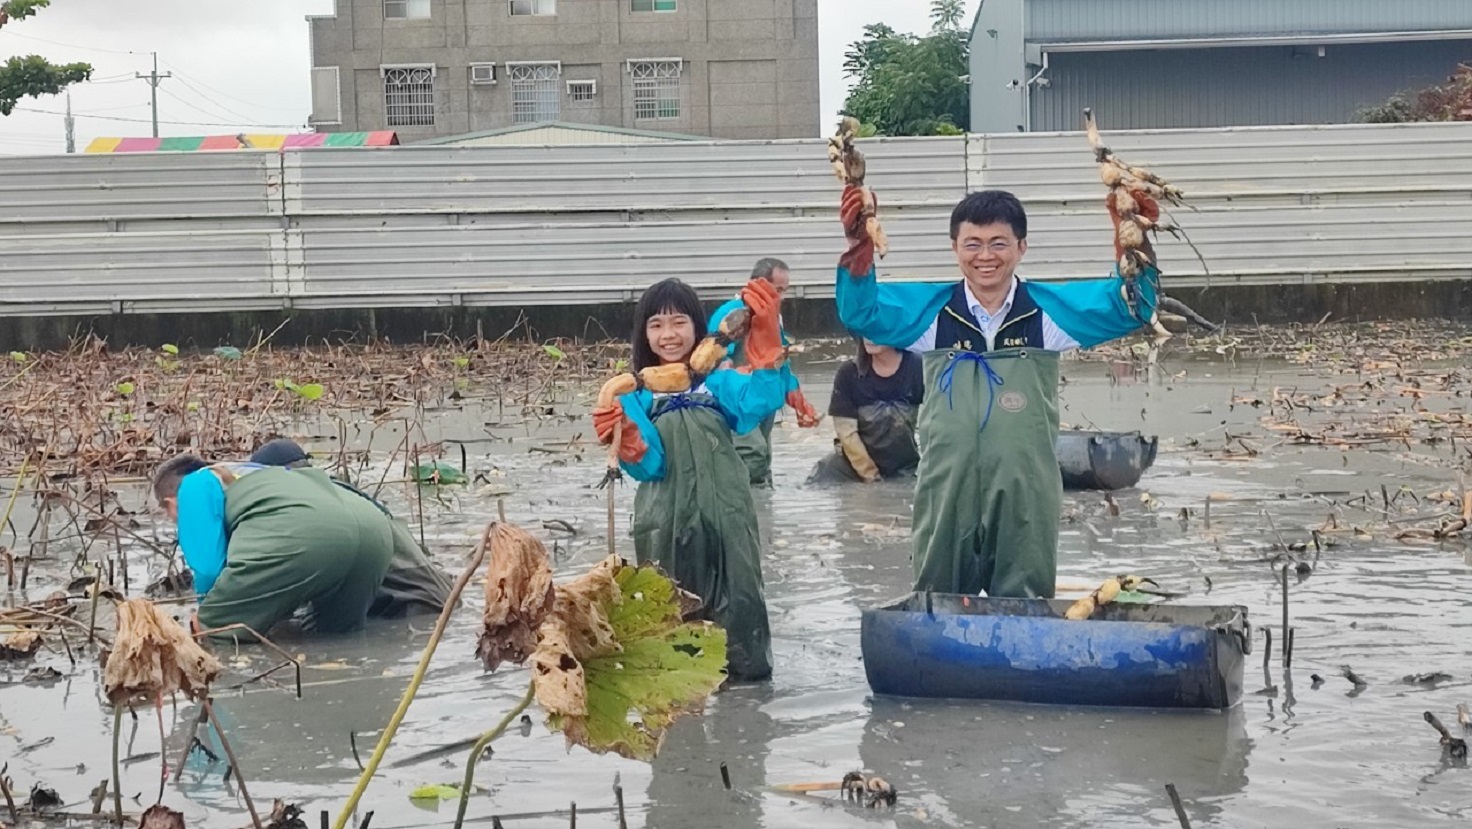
{"x":698,"y":523}
{"x":988,"y":494}
{"x":298,"y":539}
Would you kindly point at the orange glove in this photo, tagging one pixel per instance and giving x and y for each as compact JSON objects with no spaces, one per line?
{"x":807,"y":416}
{"x":631,"y":446}
{"x":858,"y":260}
{"x":763,"y":345}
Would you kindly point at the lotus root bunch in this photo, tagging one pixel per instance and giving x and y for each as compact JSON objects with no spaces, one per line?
{"x":1103,"y":595}
{"x":681,"y":377}
{"x":850,"y":167}
{"x":1133,"y":200}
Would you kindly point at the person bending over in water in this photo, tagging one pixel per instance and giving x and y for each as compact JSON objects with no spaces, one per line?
{"x":414,"y":584}
{"x":875,"y":398}
{"x":693,"y":513}
{"x":263,"y":541}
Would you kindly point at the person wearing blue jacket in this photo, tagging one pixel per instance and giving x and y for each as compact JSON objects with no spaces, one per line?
{"x":263,"y":541}
{"x":693,"y":514}
{"x":755,"y":447}
{"x":988,"y":496}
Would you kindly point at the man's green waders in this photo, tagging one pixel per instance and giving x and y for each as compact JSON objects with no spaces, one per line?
{"x":699,"y":524}
{"x":297,"y":538}
{"x":988,"y":494}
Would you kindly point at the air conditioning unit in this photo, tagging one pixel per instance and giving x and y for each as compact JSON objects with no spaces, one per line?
{"x":482,"y":73}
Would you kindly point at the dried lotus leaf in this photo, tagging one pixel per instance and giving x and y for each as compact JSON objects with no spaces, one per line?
{"x":519,"y":595}
{"x":154,"y":656}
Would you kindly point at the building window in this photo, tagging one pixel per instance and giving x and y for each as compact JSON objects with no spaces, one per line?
{"x":406,"y":9}
{"x":534,"y":91}
{"x":521,"y":7}
{"x":652,"y":5}
{"x":581,"y":91}
{"x":656,"y":89}
{"x":408,"y":96}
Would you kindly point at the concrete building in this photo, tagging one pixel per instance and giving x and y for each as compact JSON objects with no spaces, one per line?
{"x":1035,"y":64}
{"x":435,"y":68}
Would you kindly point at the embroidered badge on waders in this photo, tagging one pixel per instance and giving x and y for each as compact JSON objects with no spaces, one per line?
{"x":1012,"y":401}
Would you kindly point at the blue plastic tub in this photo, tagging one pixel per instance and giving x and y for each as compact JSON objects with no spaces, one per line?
{"x":1153,"y":656}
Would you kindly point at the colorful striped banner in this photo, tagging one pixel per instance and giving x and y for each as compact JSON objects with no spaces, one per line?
{"x":299,"y":141}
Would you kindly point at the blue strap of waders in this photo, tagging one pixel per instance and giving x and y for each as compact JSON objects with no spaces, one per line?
{"x":676,"y":402}
{"x":947,"y":377}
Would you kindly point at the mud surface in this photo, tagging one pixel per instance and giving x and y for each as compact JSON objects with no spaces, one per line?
{"x":1295,"y":752}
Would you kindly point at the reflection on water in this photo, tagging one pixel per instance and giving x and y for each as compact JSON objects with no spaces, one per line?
{"x":1291,"y":754}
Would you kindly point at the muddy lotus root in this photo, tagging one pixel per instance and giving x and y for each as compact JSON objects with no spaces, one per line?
{"x":155,"y":656}
{"x":519,"y":594}
{"x":850,"y":168}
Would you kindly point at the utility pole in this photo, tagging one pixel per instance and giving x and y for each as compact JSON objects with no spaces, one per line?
{"x":71,"y":126}
{"x":153,"y":78}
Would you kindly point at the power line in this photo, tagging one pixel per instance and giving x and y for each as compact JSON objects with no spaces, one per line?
{"x":196,"y":107}
{"x":171,"y":123}
{"x":230,"y":113}
{"x":33,"y":140}
{"x":182,"y":77}
{"x":72,"y":45}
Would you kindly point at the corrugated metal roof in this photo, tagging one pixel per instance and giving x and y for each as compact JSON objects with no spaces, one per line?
{"x":562,"y":133}
{"x":1235,"y":87}
{"x":1072,"y":20}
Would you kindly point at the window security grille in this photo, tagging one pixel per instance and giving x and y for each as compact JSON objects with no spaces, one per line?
{"x":534,"y":92}
{"x":408,"y":96}
{"x":582,"y":91}
{"x":656,"y":89}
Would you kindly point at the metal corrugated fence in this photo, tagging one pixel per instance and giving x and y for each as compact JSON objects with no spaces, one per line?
{"x":1075,"y":20}
{"x":438,"y":226}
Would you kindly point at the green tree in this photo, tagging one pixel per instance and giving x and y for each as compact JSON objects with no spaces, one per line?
{"x":869,"y":51}
{"x":946,"y":15}
{"x":910,"y":85}
{"x":32,"y":76}
{"x":1451,"y":101}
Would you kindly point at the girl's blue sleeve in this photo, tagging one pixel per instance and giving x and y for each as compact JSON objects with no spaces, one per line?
{"x":895,"y":314}
{"x":1094,"y":311}
{"x":746,"y":398}
{"x":202,"y":527}
{"x":714,"y":324}
{"x":789,"y":380}
{"x":636,"y":406}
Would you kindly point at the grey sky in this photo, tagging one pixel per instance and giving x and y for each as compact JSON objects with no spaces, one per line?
{"x":240,"y":65}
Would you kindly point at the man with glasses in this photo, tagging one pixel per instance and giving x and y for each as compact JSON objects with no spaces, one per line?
{"x":988,"y":494}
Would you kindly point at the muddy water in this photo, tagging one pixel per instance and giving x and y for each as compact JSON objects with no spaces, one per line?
{"x":1292,"y":754}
